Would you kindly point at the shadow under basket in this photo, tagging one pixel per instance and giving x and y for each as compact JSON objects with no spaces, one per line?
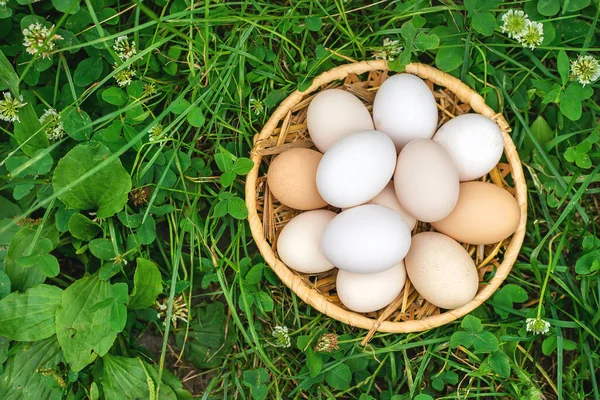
{"x":286,"y":129}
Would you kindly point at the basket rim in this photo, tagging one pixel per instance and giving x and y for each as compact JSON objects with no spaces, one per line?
{"x":312,"y":296}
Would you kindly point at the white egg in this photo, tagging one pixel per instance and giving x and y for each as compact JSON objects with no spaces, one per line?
{"x":474,"y":142}
{"x":356,"y":168}
{"x":387,"y":198}
{"x":405,"y":109}
{"x":333,"y":114}
{"x":299,"y":243}
{"x":366,"y":239}
{"x":371,"y":292}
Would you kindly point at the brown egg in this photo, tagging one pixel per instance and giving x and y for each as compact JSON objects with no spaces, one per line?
{"x":484,"y":214}
{"x":292,"y":179}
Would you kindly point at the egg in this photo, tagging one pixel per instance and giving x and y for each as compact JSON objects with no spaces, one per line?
{"x":299,"y":243}
{"x":441,"y":270}
{"x":405,"y":109}
{"x":387,"y":198}
{"x":333,"y":114}
{"x":484,"y":214}
{"x":366,"y":239}
{"x":372,"y":292}
{"x":426,"y":180}
{"x":474,"y":142}
{"x":356,"y":168}
{"x":292,"y":179}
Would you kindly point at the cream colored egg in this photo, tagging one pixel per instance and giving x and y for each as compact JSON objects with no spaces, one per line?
{"x":387,"y":198}
{"x":333,"y":114}
{"x":426,"y":180}
{"x":441,"y":270}
{"x":372,"y":292}
{"x":366,"y":239}
{"x":292,"y":179}
{"x":299,"y":243}
{"x":474,"y":142}
{"x":405,"y":109}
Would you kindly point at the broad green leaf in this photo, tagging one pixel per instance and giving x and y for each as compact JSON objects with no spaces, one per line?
{"x":147,"y":284}
{"x":275,"y":97}
{"x":424,"y":42}
{"x":8,"y":77}
{"x":83,"y":228}
{"x":485,"y":342}
{"x":179,"y":106}
{"x":571,"y":108}
{"x":549,"y":345}
{"x":22,"y":278}
{"x":578,"y":91}
{"x":102,"y":248}
{"x":77,"y":124}
{"x":147,"y":231}
{"x":449,"y":58}
{"x":130,"y":220}
{"x":28,"y":131}
{"x":83,"y":332}
{"x":314,"y":362}
{"x":313,"y":24}
{"x":227,"y":178}
{"x":88,"y":71}
{"x":500,"y":363}
{"x":563,"y":66}
{"x":207,"y":342}
{"x":548,"y":8}
{"x":255,"y":274}
{"x":541,"y":131}
{"x":588,"y":263}
{"x":48,"y":265}
{"x":4,"y":348}
{"x":576,"y":5}
{"x":130,"y":379}
{"x":484,"y":23}
{"x":64,"y":6}
{"x":20,"y":191}
{"x":472,"y":324}
{"x":21,"y":379}
{"x":237,"y":208}
{"x":256,"y":380}
{"x":30,"y":316}
{"x":115,"y":96}
{"x":8,"y":209}
{"x":265,"y":301}
{"x":106,"y":190}
{"x":339,"y":377}
{"x":4,"y":285}
{"x":196,"y":118}
{"x":242,"y":166}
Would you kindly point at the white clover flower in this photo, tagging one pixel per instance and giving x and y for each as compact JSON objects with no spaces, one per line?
{"x":156,"y":133}
{"x":513,"y":23}
{"x":38,"y":40}
{"x":9,"y":108}
{"x":537,"y":326}
{"x":124,"y":49}
{"x":178,"y":313}
{"x":52,"y":125}
{"x":124,"y":76}
{"x":282,"y":338}
{"x":257,"y":106}
{"x":389,"y":50}
{"x":3,"y":3}
{"x":533,"y":35}
{"x":149,"y":89}
{"x":586,"y":69}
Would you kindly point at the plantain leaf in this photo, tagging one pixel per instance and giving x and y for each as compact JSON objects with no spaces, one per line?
{"x":30,"y":316}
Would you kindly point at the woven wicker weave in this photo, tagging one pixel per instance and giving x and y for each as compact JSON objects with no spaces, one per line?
{"x":287,"y":129}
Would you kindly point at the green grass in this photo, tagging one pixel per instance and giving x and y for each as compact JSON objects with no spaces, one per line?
{"x":208,"y":60}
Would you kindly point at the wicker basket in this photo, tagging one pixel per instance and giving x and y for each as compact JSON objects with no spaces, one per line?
{"x":287,"y":129}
